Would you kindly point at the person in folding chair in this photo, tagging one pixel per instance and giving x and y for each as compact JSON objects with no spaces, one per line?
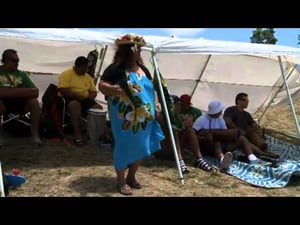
{"x":18,"y":94}
{"x":79,"y":90}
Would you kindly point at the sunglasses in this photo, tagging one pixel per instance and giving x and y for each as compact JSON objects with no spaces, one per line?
{"x":243,"y":99}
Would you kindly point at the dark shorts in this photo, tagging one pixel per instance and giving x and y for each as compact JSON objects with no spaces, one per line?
{"x":85,"y":105}
{"x":207,"y":147}
{"x":14,"y":106}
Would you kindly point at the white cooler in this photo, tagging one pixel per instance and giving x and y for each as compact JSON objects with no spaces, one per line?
{"x":96,"y":124}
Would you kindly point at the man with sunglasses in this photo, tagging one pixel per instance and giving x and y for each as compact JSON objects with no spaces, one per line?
{"x":237,"y":117}
{"x":18,"y":94}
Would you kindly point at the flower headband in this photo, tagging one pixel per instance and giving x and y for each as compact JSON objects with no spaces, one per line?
{"x":131,"y":39}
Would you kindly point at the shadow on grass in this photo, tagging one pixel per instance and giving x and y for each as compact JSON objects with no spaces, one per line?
{"x":294,"y":181}
{"x":21,"y":153}
{"x":89,"y":186}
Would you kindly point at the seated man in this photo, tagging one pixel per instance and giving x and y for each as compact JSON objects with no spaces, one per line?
{"x":237,"y":117}
{"x":79,"y":91}
{"x":203,"y":126}
{"x":187,"y":110}
{"x":214,"y":136}
{"x":184,"y":134}
{"x":18,"y":94}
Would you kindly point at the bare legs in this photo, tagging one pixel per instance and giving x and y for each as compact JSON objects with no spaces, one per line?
{"x":33,"y":107}
{"x":75,"y":114}
{"x":125,"y":184}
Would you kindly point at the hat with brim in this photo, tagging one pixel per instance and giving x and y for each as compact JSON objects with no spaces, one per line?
{"x":130,"y":39}
{"x":215,"y":107}
{"x":186,"y":99}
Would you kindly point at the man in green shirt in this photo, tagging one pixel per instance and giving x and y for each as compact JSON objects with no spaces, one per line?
{"x":187,"y":110}
{"x":185,"y":134}
{"x":18,"y":94}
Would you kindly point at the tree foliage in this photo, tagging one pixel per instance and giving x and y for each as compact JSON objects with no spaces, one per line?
{"x":264,"y":36}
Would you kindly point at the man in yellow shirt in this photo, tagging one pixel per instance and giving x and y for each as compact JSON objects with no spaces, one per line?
{"x":79,"y":91}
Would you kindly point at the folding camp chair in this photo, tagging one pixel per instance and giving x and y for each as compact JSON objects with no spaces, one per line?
{"x":55,"y":112}
{"x":21,"y":118}
{"x":66,"y":114}
{"x":10,"y":121}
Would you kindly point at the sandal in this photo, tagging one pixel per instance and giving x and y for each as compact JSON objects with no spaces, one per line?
{"x":134,"y":184}
{"x":183,"y":167}
{"x":124,"y":189}
{"x":202,"y":164}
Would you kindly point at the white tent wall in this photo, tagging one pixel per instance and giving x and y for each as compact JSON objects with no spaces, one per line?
{"x":223,"y":77}
{"x":206,"y":69}
{"x":45,"y":56}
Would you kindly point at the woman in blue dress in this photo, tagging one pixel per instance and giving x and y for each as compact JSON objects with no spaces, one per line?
{"x":130,"y":94}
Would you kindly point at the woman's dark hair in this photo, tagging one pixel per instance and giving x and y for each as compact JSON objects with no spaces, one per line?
{"x":122,"y":61}
{"x":123,"y":56}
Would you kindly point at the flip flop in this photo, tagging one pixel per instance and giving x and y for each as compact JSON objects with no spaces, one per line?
{"x":124,"y":189}
{"x":134,"y":184}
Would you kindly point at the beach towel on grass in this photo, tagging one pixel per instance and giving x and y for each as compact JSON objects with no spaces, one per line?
{"x":268,"y":176}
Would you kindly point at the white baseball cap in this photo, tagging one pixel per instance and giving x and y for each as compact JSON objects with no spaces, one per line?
{"x":215,"y":107}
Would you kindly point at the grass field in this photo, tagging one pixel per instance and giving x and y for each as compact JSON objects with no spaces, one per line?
{"x":59,"y":169}
{"x":68,"y":171}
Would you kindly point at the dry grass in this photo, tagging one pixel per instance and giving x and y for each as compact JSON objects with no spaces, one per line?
{"x":58,"y":170}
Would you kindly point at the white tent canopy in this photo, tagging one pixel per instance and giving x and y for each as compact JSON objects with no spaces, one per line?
{"x":203,"y":68}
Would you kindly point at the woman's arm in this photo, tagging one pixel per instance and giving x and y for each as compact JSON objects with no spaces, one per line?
{"x":109,"y":89}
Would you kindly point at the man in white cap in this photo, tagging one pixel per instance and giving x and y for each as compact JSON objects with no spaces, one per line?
{"x":213,"y":134}
{"x":213,"y":120}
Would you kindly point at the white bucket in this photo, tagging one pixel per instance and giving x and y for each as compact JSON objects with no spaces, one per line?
{"x":96,"y":124}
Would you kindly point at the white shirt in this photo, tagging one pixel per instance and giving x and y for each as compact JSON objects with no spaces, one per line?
{"x":206,"y":122}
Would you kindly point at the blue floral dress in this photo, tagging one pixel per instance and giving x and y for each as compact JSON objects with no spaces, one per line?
{"x":136,"y":132}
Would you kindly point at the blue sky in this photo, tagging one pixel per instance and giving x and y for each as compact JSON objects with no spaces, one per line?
{"x":285,"y":36}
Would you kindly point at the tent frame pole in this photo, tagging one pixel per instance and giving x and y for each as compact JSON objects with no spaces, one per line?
{"x":167,"y":115}
{"x":102,"y":56}
{"x":289,"y":96}
{"x":201,"y":74}
{"x":282,"y":85}
{"x":2,"y":192}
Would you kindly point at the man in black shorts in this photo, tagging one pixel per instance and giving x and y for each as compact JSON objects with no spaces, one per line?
{"x":18,"y":94}
{"x":79,"y":91}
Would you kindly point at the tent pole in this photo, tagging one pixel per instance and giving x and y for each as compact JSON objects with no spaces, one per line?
{"x":265,"y":110}
{"x":289,"y":96}
{"x":201,"y":74}
{"x":167,"y":115}
{"x":102,"y":56}
{"x":2,"y":192}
